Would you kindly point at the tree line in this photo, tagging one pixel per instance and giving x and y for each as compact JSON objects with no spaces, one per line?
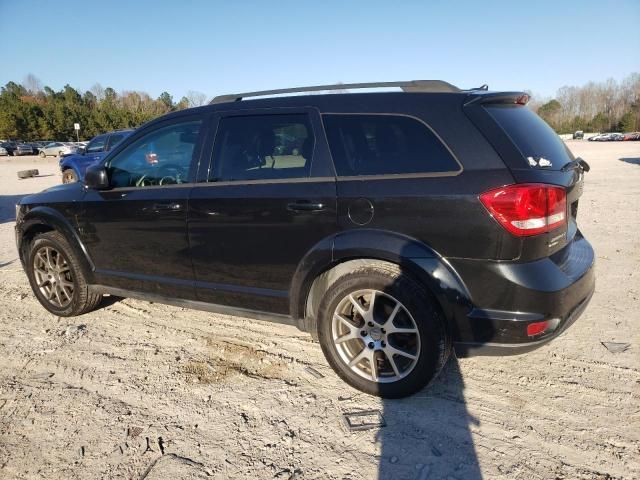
{"x":609,"y":106}
{"x":29,"y":111}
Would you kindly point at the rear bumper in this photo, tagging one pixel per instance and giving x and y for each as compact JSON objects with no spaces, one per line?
{"x":508,"y":297}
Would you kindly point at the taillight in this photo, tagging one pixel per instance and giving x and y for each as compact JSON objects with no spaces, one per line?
{"x":527,"y":209}
{"x":537,"y":328}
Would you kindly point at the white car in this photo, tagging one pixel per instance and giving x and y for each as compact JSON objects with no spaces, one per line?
{"x":57,"y":149}
{"x":3,"y":152}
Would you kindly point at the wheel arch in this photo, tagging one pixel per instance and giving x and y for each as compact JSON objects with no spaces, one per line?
{"x":321,"y":266}
{"x":68,"y":166}
{"x":45,"y":219}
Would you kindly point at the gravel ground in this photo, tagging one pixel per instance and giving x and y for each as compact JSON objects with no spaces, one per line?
{"x":142,"y":390}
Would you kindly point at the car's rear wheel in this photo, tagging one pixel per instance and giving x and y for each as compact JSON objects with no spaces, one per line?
{"x":382,"y":332}
{"x":56,"y":277}
{"x":42,"y":155}
{"x":69,"y":176}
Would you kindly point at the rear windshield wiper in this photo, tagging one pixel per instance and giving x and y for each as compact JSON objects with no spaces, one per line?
{"x":577,"y":163}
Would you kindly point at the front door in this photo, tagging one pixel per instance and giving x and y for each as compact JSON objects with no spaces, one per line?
{"x":270,"y":196}
{"x":136,"y":232}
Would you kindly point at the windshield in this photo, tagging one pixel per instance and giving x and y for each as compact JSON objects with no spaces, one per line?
{"x":532,"y":135}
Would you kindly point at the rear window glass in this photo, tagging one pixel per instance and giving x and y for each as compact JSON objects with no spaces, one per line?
{"x":531,"y":135}
{"x":385,"y":145}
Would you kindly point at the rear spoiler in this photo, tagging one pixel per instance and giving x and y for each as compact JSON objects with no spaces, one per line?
{"x":508,"y":98}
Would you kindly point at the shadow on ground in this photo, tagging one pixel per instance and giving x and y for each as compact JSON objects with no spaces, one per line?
{"x":428,"y":435}
{"x":632,"y":161}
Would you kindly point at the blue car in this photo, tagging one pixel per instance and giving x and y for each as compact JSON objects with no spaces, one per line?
{"x":74,"y":166}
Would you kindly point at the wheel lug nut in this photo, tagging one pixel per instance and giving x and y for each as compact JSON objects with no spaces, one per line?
{"x":363,"y":333}
{"x":383,"y":344}
{"x":383,"y":331}
{"x":370,"y":324}
{"x":371,"y":345}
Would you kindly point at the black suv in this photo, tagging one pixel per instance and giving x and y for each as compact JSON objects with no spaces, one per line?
{"x":391,"y":225}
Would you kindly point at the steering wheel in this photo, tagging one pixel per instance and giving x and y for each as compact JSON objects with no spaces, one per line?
{"x":164,"y":173}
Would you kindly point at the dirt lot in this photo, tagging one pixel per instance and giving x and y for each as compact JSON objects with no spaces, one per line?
{"x":140,"y":390}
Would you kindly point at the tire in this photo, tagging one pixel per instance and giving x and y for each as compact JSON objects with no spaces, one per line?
{"x":69,"y":176}
{"x":42,"y":155}
{"x":51,"y":249}
{"x":429,"y":341}
{"x":22,"y":174}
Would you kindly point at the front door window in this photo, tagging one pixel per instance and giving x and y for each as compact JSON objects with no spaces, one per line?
{"x":162,"y":157}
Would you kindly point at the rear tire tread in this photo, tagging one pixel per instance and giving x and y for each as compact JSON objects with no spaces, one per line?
{"x":411,"y":288}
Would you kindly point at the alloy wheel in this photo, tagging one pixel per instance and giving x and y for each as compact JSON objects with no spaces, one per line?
{"x":376,"y":336}
{"x":53,"y":276}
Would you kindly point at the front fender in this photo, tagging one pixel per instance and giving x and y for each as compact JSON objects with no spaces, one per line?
{"x":413,"y":256}
{"x":78,"y":163}
{"x":40,"y":218}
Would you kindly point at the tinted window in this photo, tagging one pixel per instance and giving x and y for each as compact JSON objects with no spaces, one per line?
{"x":531,"y":135}
{"x":161,"y":157}
{"x":96,"y":145}
{"x":115,"y":139}
{"x":385,"y":144}
{"x":262,"y":147}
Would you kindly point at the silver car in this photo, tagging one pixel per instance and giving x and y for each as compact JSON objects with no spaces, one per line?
{"x":3,"y":152}
{"x":57,"y":149}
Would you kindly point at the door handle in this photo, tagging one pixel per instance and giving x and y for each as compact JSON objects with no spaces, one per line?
{"x":174,"y":207}
{"x":305,"y":206}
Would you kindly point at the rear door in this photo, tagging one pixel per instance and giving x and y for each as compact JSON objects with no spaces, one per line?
{"x":136,"y":232}
{"x":268,"y":197}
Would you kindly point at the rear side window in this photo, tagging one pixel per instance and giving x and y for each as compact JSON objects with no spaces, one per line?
{"x":262,"y":147}
{"x":531,"y":135}
{"x":385,"y":145}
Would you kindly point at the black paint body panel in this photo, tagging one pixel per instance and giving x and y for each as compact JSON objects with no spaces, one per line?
{"x":240,"y":245}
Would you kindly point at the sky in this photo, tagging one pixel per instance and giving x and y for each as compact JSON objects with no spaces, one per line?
{"x":219,"y":47}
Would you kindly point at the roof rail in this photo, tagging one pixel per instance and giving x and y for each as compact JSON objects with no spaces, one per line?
{"x":408,"y":86}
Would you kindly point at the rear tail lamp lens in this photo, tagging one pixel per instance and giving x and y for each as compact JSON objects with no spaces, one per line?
{"x":546,"y":326}
{"x":527,"y":209}
{"x":537,"y":328}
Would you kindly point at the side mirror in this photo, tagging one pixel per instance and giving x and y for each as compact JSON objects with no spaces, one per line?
{"x":96,"y":177}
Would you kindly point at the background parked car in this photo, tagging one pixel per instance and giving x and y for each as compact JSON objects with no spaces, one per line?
{"x":37,"y":145}
{"x":24,"y":149}
{"x":57,"y":149}
{"x":631,"y":136}
{"x":3,"y":152}
{"x":578,"y":135}
{"x":602,"y":137}
{"x":10,"y":147}
{"x":74,"y":166}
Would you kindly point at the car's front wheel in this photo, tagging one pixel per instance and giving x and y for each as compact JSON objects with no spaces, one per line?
{"x":69,"y":176}
{"x":42,"y":154}
{"x":382,"y":332}
{"x":56,"y":277}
